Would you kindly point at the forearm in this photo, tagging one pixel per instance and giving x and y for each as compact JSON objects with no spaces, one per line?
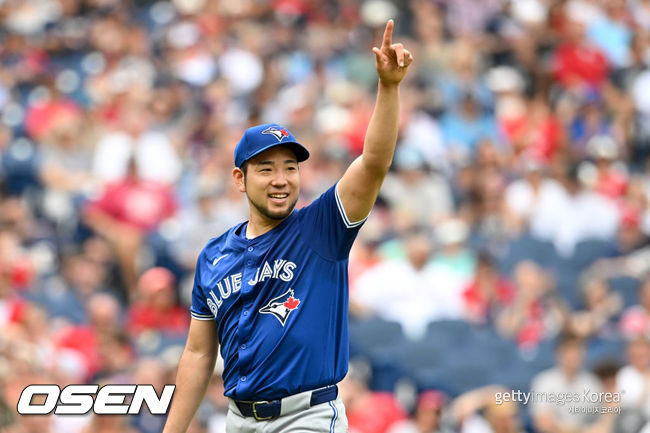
{"x":104,"y":224}
{"x":359,"y":186}
{"x":381,"y":136}
{"x":192,"y":378}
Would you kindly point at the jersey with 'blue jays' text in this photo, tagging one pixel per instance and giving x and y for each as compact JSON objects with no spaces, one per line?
{"x":280,"y":301}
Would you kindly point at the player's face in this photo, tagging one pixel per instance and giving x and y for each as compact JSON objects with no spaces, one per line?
{"x":272,"y":182}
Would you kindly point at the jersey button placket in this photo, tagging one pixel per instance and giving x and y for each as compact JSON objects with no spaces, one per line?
{"x":247,"y":298}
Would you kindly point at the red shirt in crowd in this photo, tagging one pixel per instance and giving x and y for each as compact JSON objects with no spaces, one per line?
{"x":138,"y":203}
{"x":478,"y":303}
{"x":611,"y":184}
{"x":377,"y":415}
{"x":575,"y":64}
{"x":82,"y":339}
{"x":144,"y":317}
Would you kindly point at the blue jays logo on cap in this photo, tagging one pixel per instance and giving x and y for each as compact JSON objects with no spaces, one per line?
{"x":277,"y":133}
{"x":259,"y":138}
{"x":281,"y":306}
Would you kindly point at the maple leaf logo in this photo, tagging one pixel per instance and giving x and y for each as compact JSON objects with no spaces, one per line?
{"x":281,"y":306}
{"x":291,"y":303}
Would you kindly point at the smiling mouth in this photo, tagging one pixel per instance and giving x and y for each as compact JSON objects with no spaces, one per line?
{"x":279,"y":196}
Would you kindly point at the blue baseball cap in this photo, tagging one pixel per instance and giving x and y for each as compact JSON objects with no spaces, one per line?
{"x":259,"y":138}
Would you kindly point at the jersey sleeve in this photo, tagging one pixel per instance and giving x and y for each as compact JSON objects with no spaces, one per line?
{"x":327,"y":228}
{"x":199,"y":309}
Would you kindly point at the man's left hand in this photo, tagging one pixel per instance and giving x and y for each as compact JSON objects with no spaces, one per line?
{"x":392,"y":60}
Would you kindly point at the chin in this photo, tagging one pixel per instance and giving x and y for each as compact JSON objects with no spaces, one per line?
{"x":274,"y":213}
{"x":280,"y":214}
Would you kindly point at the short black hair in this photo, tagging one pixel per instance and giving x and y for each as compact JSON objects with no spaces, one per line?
{"x":568,"y":338}
{"x":606,"y":369}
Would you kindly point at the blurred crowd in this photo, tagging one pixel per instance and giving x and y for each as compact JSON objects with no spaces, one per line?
{"x":513,"y":226}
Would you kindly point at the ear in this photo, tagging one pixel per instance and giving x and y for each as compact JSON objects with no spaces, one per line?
{"x":238,"y":176}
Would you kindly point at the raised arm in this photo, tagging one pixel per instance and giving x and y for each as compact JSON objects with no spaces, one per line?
{"x":194,"y":371}
{"x":359,"y":186}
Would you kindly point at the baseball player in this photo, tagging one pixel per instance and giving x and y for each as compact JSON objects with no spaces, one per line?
{"x":273,"y":291}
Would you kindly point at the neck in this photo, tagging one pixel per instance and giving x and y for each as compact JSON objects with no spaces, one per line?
{"x":571,"y":374}
{"x":259,"y":224}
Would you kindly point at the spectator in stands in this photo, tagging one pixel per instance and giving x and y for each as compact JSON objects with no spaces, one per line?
{"x":578,"y":63}
{"x":633,"y":379}
{"x":127,"y":211}
{"x":152,"y":372}
{"x":532,"y":200}
{"x":635,"y":321}
{"x":612,"y":420}
{"x":502,"y":418}
{"x":487,"y":294}
{"x":212,"y":211}
{"x":15,"y":261}
{"x":414,"y":194}
{"x":466,"y":125}
{"x":427,"y":417}
{"x":568,"y":376}
{"x":155,"y":308}
{"x":65,"y":295}
{"x":601,"y":311}
{"x":536,"y":313}
{"x":135,"y":142}
{"x":104,"y":315}
{"x":405,"y":281}
{"x":479,"y":411}
{"x":365,"y":254}
{"x":115,"y":357}
{"x":612,"y":34}
{"x":451,"y":268}
{"x":609,"y":178}
{"x":368,"y":411}
{"x":568,"y":220}
{"x":65,"y":164}
{"x":11,"y":304}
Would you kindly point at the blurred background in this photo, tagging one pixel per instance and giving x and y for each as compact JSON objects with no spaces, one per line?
{"x":508,"y":249}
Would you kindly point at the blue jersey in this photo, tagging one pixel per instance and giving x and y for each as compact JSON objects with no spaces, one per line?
{"x":280,"y":301}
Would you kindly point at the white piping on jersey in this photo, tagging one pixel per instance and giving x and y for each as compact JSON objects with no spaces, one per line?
{"x":346,"y":220}
{"x":201,"y":316}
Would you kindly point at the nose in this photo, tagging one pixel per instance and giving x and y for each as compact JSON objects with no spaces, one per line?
{"x":279,"y":179}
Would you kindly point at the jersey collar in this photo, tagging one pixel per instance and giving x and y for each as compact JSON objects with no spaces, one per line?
{"x":238,"y":240}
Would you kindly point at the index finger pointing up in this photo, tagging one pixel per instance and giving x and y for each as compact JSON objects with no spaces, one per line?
{"x":388,"y":34}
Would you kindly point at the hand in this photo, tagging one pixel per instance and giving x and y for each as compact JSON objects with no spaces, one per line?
{"x":392,"y":60}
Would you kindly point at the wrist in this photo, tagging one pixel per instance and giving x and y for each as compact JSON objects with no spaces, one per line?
{"x":388,"y":86}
